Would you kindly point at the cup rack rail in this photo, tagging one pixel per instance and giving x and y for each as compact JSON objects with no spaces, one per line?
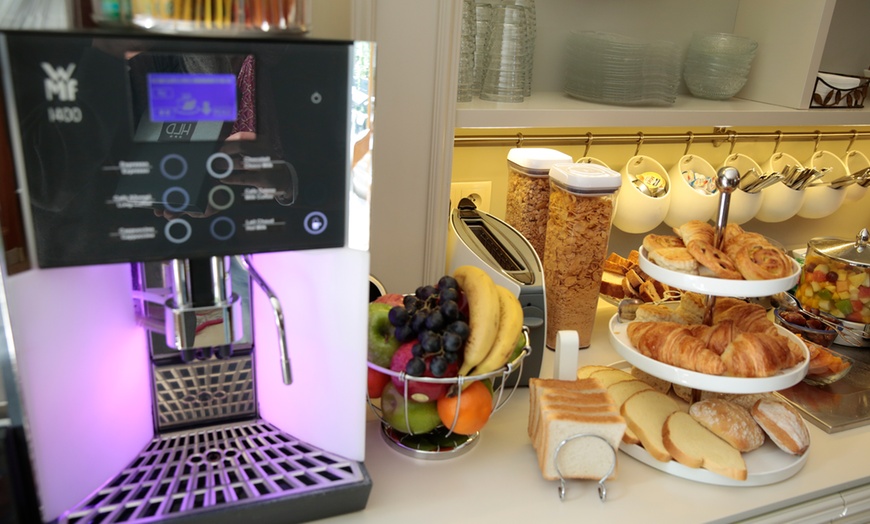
{"x":717,"y":137}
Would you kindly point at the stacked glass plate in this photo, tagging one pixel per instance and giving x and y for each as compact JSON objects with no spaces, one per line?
{"x":615,"y":69}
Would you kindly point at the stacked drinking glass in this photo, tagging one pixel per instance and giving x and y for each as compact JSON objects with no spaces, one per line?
{"x":501,"y":49}
{"x":467,"y":52}
{"x":717,"y":64}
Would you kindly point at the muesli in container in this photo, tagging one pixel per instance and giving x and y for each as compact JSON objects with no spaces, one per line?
{"x":581,"y":203}
{"x":528,"y":192}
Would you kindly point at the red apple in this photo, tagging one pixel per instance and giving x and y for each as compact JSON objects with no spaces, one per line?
{"x":417,"y":390}
{"x":393,"y":299}
{"x":376,"y":383}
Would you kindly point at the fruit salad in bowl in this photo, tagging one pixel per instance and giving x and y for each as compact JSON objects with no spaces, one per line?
{"x":438,"y":360}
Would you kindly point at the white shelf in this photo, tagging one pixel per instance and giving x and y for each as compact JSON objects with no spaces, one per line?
{"x":554,"y":109}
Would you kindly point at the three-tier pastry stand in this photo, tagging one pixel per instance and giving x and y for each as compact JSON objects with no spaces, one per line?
{"x":767,"y":464}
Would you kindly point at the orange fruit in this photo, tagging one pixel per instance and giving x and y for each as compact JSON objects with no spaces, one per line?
{"x":474,"y":405}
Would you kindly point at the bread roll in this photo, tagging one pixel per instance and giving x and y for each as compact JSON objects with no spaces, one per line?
{"x":783,"y":424}
{"x":693,"y":445}
{"x":729,"y":421}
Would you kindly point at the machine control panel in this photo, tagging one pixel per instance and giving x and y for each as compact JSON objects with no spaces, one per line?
{"x":145,"y":148}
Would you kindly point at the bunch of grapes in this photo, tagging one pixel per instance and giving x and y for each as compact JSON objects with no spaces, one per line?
{"x":432,"y":316}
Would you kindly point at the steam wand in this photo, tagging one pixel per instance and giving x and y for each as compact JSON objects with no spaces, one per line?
{"x":245,"y":262}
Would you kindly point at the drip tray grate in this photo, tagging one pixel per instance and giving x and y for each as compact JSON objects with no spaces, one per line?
{"x":217,"y":467}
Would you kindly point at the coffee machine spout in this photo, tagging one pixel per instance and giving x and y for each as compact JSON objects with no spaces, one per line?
{"x":212,"y":319}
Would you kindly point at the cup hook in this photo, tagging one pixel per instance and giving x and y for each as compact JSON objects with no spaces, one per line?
{"x":589,"y":138}
{"x":776,"y":141}
{"x":818,"y":140}
{"x":689,"y":142}
{"x":639,"y":142}
{"x":852,"y":140}
{"x":732,"y":137}
{"x":519,"y":140}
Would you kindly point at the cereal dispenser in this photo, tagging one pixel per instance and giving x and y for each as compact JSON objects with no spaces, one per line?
{"x":188,"y":305}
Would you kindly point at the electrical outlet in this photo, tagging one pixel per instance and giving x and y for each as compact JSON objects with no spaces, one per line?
{"x":479,"y":192}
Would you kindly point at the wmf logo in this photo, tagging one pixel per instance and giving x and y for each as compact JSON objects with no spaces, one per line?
{"x":60,"y":86}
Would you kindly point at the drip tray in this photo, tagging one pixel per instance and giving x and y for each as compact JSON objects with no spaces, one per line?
{"x":224,"y":473}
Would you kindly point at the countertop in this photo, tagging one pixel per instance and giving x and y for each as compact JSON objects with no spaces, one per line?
{"x":499,"y":481}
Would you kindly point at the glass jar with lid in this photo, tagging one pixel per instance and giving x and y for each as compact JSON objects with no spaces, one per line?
{"x":580,"y":215}
{"x":528,"y":192}
{"x":835,"y":280}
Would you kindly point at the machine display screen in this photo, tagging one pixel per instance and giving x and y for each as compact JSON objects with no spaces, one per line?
{"x":181,"y":97}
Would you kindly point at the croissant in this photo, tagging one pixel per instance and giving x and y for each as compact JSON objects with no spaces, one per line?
{"x":759,"y":355}
{"x":749,"y":317}
{"x":715,"y":337}
{"x":673,"y":344}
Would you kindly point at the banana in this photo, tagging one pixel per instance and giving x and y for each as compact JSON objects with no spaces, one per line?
{"x":510,"y":323}
{"x":484,"y":312}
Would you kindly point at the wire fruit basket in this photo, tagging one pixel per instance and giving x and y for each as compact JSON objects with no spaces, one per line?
{"x":443,"y":442}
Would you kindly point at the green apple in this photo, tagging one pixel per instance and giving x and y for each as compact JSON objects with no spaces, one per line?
{"x":422,"y":416}
{"x":382,"y":343}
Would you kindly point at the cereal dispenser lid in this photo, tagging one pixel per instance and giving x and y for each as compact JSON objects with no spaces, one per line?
{"x":585,"y":177}
{"x":856,"y":252}
{"x":536,"y":158}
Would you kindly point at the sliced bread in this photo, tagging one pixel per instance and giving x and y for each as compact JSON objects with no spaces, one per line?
{"x":541,"y":385}
{"x":588,"y":370}
{"x":693,"y":445}
{"x":619,"y":392}
{"x":645,"y":414}
{"x":658,"y":383}
{"x":611,"y":376}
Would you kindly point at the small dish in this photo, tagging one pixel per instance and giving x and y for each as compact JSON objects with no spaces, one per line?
{"x":808,"y":328}
{"x":826,"y":366}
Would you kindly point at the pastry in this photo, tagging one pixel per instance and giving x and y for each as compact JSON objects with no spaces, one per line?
{"x":696,"y":230}
{"x":760,"y":355}
{"x":729,"y":421}
{"x":783,"y":424}
{"x":652,"y":242}
{"x":713,"y":262}
{"x":716,"y":337}
{"x":675,"y":259}
{"x":660,"y":313}
{"x":749,"y":317}
{"x":673,"y":344}
{"x":763,"y":263}
{"x":732,"y":245}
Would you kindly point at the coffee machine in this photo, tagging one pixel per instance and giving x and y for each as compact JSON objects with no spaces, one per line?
{"x":185,"y":311}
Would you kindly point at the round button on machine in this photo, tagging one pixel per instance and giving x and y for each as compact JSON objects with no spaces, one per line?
{"x":315,"y":223}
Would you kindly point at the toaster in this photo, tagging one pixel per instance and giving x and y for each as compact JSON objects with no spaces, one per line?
{"x":480,"y":239}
